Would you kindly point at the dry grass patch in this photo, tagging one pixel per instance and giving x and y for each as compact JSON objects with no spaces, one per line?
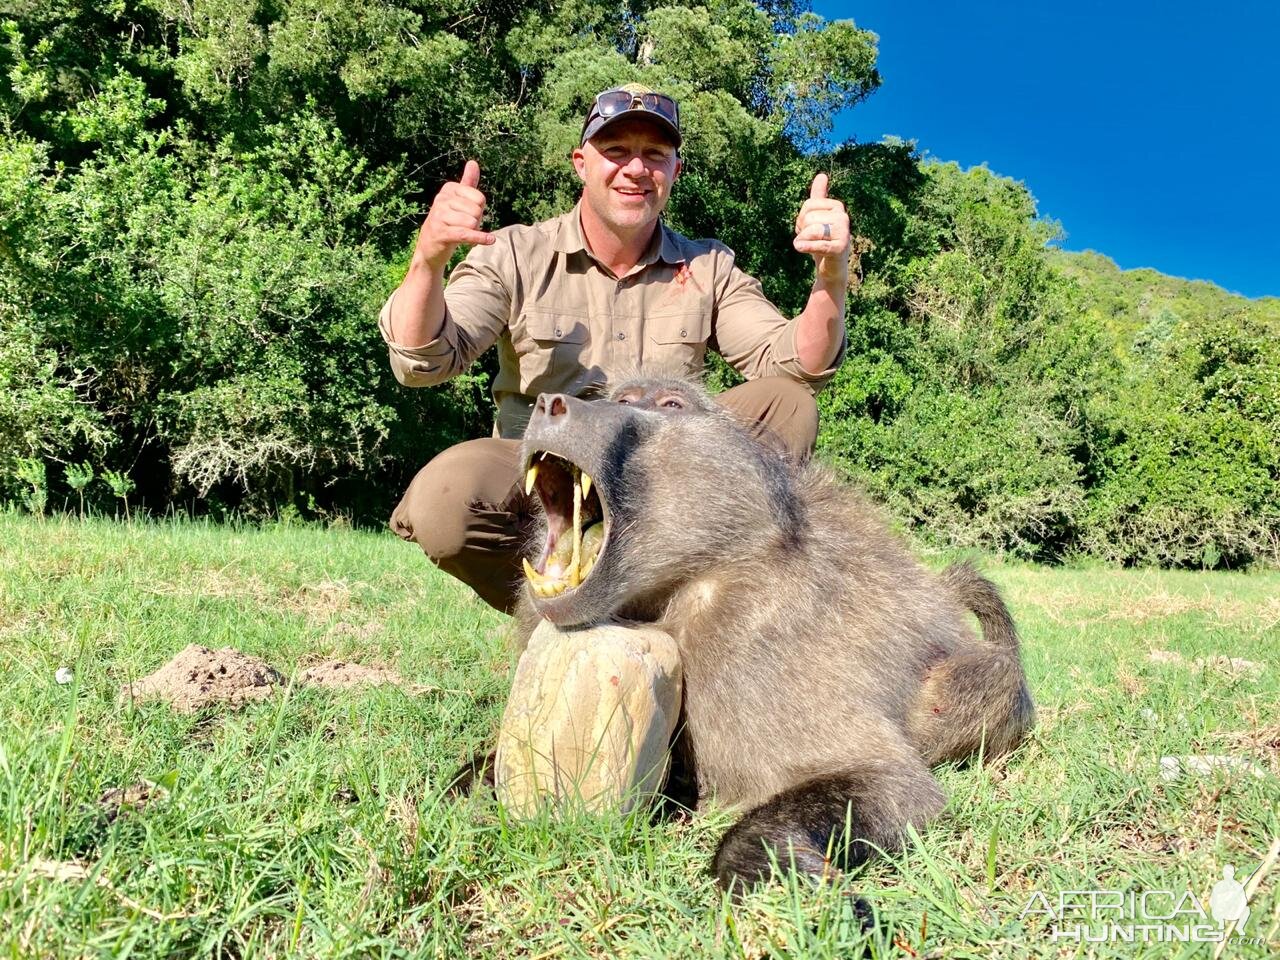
{"x":1139,"y":598}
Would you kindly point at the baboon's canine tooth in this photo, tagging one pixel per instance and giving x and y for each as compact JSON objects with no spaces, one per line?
{"x":529,"y":572}
{"x":586,"y":484}
{"x":576,"y":563}
{"x":529,"y":478}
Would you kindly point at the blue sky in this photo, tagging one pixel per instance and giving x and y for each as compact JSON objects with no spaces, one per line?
{"x":1151,"y":131}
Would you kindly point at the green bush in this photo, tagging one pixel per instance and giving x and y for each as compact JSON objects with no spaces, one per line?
{"x":218,"y":313}
{"x":960,"y":403}
{"x":1004,"y":396}
{"x":1186,"y":460}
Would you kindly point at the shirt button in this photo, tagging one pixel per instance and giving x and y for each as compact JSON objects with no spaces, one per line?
{"x":682,"y":334}
{"x":621,"y":335}
{"x":558,"y":332}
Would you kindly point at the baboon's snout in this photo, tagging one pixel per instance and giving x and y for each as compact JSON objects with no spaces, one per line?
{"x":552,"y":405}
{"x":577,"y":429}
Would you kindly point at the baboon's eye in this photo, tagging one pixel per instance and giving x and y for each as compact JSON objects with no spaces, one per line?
{"x":673,"y":403}
{"x":623,"y":400}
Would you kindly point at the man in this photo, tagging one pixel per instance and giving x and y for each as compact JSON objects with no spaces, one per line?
{"x":576,"y":299}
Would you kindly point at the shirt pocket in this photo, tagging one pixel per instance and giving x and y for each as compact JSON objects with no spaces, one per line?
{"x":551,"y":347}
{"x":676,"y":343}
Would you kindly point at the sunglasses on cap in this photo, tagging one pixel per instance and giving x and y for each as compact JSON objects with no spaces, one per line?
{"x":613,"y":105}
{"x":613,"y":102}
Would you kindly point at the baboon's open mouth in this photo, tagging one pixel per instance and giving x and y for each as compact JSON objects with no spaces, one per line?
{"x":577,"y":524}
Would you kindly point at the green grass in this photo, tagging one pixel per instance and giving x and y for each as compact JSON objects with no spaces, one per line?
{"x":312,"y":824}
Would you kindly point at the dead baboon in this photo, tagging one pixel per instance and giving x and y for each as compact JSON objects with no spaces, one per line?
{"x":825,"y":670}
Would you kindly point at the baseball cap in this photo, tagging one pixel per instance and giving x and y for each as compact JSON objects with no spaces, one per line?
{"x":629,"y":101}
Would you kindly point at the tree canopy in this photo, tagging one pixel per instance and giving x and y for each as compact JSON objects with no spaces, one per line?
{"x":206,"y":201}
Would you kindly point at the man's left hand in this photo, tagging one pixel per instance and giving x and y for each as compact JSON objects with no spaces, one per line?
{"x":822,"y":231}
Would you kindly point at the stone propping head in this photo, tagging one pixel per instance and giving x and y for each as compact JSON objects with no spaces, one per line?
{"x":640,"y":490}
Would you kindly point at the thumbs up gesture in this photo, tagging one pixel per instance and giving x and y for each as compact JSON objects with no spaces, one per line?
{"x":822,"y":231}
{"x":454,"y":219}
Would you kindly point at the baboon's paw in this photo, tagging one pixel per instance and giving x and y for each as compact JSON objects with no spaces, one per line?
{"x":748,"y":856}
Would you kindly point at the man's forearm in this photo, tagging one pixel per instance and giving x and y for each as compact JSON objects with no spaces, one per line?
{"x":417,"y":310}
{"x":820,"y":326}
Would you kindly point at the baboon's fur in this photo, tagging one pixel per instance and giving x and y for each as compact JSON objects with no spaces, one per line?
{"x":825,"y":669}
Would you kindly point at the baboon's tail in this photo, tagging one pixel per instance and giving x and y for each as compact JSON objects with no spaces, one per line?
{"x":980,"y":595}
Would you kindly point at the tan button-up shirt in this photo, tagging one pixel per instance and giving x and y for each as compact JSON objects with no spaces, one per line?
{"x":564,"y":322}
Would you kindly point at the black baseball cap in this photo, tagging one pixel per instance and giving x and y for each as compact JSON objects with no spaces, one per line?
{"x":629,"y":101}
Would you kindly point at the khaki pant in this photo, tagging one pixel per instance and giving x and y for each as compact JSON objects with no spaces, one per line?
{"x":469,"y":513}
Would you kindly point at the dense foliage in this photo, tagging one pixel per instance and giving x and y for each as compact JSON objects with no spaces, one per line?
{"x":205,"y":203}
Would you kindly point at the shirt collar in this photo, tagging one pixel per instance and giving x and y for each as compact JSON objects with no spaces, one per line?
{"x":569,"y":238}
{"x":664,"y":246}
{"x":669,"y":249}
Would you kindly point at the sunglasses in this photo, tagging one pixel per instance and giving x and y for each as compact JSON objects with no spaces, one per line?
{"x":613,"y":102}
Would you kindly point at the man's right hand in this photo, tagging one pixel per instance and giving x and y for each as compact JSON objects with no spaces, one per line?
{"x":454,"y":219}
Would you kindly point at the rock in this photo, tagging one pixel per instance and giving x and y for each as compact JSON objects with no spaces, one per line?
{"x":589,"y":718}
{"x":1204,"y":765}
{"x":118,"y":800}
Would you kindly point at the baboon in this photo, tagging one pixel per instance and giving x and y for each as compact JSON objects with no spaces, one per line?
{"x":825,"y":670}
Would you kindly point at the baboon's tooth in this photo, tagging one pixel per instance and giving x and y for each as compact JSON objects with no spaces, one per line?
{"x":529,"y":479}
{"x":529,"y":572}
{"x":586,"y":484}
{"x":576,"y":563}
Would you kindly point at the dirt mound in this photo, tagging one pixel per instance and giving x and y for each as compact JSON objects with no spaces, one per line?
{"x":198,"y":677}
{"x":340,"y":675}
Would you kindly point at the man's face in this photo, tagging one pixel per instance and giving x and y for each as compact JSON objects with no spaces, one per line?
{"x":627,"y":171}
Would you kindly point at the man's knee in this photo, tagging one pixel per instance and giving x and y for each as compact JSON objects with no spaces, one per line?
{"x":797,"y":407}
{"x":436,"y":510}
{"x":779,"y":406}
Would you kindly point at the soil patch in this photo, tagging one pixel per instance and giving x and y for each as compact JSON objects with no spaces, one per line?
{"x":341,"y":675}
{"x":199,"y":677}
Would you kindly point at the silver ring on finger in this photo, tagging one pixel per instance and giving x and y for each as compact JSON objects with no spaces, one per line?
{"x":826,"y":231}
